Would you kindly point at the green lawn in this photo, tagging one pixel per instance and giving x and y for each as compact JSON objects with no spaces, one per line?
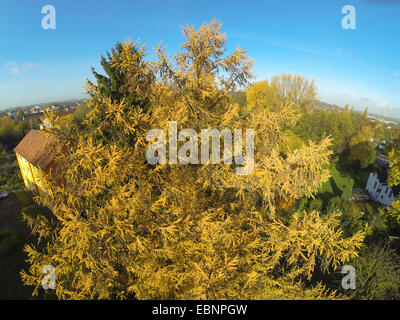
{"x":11,"y":176}
{"x":12,"y":260}
{"x":13,"y":239}
{"x":338,"y":185}
{"x":23,"y":197}
{"x":326,"y":187}
{"x":8,"y":240}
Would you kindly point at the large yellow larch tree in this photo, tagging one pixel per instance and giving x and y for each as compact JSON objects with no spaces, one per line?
{"x":126,"y":229}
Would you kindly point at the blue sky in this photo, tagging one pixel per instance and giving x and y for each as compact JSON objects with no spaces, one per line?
{"x":360,"y":67}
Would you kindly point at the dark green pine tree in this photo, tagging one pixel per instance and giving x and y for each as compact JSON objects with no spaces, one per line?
{"x":127,"y":77}
{"x":118,"y":83}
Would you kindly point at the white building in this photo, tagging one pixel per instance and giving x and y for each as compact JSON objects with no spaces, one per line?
{"x":36,"y":109}
{"x":379,"y":190}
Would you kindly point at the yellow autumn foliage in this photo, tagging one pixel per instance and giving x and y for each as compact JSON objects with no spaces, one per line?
{"x":126,"y":229}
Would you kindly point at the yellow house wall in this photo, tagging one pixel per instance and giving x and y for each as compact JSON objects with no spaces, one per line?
{"x":26,"y":173}
{"x":31,"y":176}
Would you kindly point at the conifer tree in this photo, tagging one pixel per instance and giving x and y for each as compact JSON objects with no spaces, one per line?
{"x":126,"y":229}
{"x":130,"y":81}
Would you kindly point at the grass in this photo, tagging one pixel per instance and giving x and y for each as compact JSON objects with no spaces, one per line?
{"x":16,"y":232}
{"x":8,"y":240}
{"x":13,"y":258}
{"x":338,"y":185}
{"x":11,"y":264}
{"x":326,"y":187}
{"x":23,"y":197}
{"x":11,"y":176}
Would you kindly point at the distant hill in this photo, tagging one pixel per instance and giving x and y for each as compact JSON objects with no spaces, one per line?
{"x":326,"y":106}
{"x":52,"y":103}
{"x":240,"y":96}
{"x":329,"y":107}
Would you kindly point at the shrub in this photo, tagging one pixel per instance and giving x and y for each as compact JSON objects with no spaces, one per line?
{"x":378,"y":274}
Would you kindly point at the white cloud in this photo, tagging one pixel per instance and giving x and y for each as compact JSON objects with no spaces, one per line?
{"x":18,"y":68}
{"x":14,"y":70}
{"x":382,"y":104}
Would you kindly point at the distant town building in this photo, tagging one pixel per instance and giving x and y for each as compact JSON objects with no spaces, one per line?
{"x":36,"y":109}
{"x":379,"y":190}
